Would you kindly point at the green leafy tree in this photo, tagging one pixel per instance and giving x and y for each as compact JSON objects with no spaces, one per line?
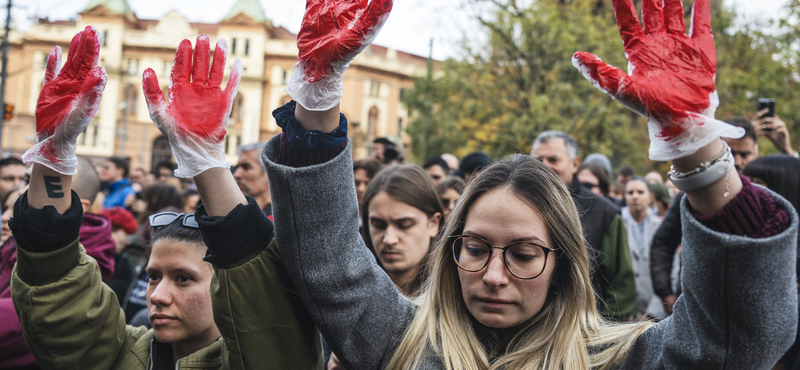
{"x":505,"y":91}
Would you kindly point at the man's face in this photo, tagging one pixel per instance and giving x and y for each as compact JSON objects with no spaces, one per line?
{"x":437,"y":174}
{"x":164,"y":173}
{"x":553,"y":153}
{"x":250,"y":177}
{"x":744,"y":150}
{"x":10,"y":177}
{"x":110,"y":172}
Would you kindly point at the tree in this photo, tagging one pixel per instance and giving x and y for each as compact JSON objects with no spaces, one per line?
{"x":505,"y":91}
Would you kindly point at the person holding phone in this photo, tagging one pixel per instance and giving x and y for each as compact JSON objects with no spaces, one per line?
{"x":768,"y":124}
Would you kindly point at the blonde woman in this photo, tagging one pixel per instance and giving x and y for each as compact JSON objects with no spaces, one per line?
{"x":509,"y":282}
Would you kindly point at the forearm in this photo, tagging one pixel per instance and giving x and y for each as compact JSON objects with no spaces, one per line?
{"x":325,"y":121}
{"x":49,"y":188}
{"x":219,"y":191}
{"x":713,"y":197}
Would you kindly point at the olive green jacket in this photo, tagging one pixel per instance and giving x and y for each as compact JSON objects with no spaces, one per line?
{"x":71,"y":320}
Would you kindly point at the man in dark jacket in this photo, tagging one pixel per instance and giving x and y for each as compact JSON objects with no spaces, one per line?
{"x":604,"y":231}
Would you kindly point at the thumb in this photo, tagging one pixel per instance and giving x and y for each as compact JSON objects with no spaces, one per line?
{"x":606,"y":78}
{"x":153,"y":96}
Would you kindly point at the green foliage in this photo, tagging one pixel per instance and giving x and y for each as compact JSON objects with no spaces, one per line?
{"x":505,"y":91}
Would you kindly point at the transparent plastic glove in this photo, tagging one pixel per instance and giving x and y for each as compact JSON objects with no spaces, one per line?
{"x":332,"y":34}
{"x":195,"y":119}
{"x":670,"y":78}
{"x":67,"y":103}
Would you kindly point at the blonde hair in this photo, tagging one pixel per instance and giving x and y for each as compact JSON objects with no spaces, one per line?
{"x":567,"y":333}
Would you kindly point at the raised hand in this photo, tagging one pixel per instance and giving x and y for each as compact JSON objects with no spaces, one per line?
{"x":332,"y":34}
{"x":198,"y":110}
{"x":671,"y":76}
{"x":67,"y":103}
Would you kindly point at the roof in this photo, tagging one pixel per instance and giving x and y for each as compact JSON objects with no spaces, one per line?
{"x":250,"y":7}
{"x":116,"y":6}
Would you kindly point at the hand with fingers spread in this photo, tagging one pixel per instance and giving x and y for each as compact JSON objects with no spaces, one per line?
{"x":67,"y":103}
{"x":332,"y":34}
{"x":671,"y":76}
{"x":198,"y":110}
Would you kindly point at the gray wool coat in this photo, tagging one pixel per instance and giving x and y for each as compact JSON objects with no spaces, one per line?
{"x":738,"y":309}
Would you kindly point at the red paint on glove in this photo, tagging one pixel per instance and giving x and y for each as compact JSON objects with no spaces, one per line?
{"x":333,"y":30}
{"x":673,"y":74}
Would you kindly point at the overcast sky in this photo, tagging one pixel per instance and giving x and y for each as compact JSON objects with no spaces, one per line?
{"x":411,"y":26}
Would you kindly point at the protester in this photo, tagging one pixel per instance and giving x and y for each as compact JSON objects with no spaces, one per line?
{"x":401,"y":216}
{"x":190,"y":198}
{"x":616,"y":192}
{"x":600,"y":160}
{"x":641,"y":223}
{"x":12,"y":174}
{"x":612,"y":271}
{"x":491,"y":318}
{"x":437,"y":168}
{"x":595,"y":179}
{"x":774,"y":129}
{"x":364,"y":171}
{"x":114,"y":174}
{"x":668,"y":237}
{"x":624,"y":175}
{"x":661,"y":199}
{"x":54,"y":274}
{"x":251,"y":176}
{"x":386,"y":151}
{"x":472,"y":164}
{"x":452,"y":162}
{"x":654,"y":177}
{"x":449,"y":191}
{"x":123,"y":226}
{"x":96,"y":238}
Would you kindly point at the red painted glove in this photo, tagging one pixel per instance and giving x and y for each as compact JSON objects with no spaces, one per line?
{"x":67,"y":103}
{"x":198,"y":110}
{"x":671,"y":76}
{"x":332,"y":34}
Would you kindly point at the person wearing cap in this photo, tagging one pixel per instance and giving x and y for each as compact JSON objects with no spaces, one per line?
{"x":661,"y":199}
{"x":600,"y":160}
{"x":604,"y":231}
{"x":472,"y":164}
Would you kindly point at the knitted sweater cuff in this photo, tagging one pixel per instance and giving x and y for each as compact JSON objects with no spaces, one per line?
{"x":45,"y":230}
{"x":752,"y":213}
{"x":235,"y":236}
{"x":304,"y":157}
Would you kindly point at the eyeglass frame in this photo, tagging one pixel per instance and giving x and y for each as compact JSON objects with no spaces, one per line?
{"x":185,"y":221}
{"x":453,"y":238}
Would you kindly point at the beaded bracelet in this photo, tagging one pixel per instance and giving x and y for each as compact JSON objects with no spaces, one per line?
{"x":706,"y":173}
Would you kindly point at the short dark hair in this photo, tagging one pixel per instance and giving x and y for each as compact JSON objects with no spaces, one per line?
{"x":176,"y":231}
{"x":742,"y":122}
{"x":451,"y":182}
{"x":120,"y":163}
{"x":780,"y":173}
{"x":436,"y":161}
{"x":166,"y":164}
{"x":626,"y":171}
{"x":370,"y":165}
{"x":600,"y":173}
{"x":11,"y":161}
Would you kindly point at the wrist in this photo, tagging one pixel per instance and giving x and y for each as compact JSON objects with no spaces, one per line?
{"x":325,"y":121}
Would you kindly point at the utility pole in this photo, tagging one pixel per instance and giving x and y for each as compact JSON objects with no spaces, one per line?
{"x":3,"y":73}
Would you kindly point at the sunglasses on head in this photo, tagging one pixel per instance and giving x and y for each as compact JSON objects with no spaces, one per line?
{"x":166,"y":218}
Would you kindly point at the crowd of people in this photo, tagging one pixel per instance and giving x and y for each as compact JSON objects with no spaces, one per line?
{"x":301,"y":257}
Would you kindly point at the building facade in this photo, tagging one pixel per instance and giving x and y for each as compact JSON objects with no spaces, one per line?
{"x":373,"y":86}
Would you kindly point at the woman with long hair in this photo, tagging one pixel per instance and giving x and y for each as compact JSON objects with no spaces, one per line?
{"x":509,"y":281}
{"x":401,"y":216}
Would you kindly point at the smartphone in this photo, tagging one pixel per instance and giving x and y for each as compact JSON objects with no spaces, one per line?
{"x":767,"y":103}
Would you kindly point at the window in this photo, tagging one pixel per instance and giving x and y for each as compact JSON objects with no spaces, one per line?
{"x":233,"y":46}
{"x":372,"y":123}
{"x":236,"y":110}
{"x":131,"y":96}
{"x":285,"y":79}
{"x":44,"y":64}
{"x":105,"y":37}
{"x":227,"y":144}
{"x":246,"y":46}
{"x":133,"y":66}
{"x":375,"y":89}
{"x":399,"y":126}
{"x":166,"y":69}
{"x":94,"y":136}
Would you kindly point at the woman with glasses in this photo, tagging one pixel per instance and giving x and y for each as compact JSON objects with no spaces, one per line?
{"x":450,"y":190}
{"x":509,"y":282}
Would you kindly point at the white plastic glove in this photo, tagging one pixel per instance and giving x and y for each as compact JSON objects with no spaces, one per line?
{"x":195,"y":119}
{"x":671,"y":81}
{"x":332,"y":34}
{"x":67,"y":102}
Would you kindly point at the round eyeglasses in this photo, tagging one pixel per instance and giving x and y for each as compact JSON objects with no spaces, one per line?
{"x":523,"y":260}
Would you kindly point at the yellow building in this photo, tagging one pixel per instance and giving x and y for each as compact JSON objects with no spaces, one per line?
{"x":372,"y":86}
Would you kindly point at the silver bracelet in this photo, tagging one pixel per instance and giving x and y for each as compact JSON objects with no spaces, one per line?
{"x":706,"y":173}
